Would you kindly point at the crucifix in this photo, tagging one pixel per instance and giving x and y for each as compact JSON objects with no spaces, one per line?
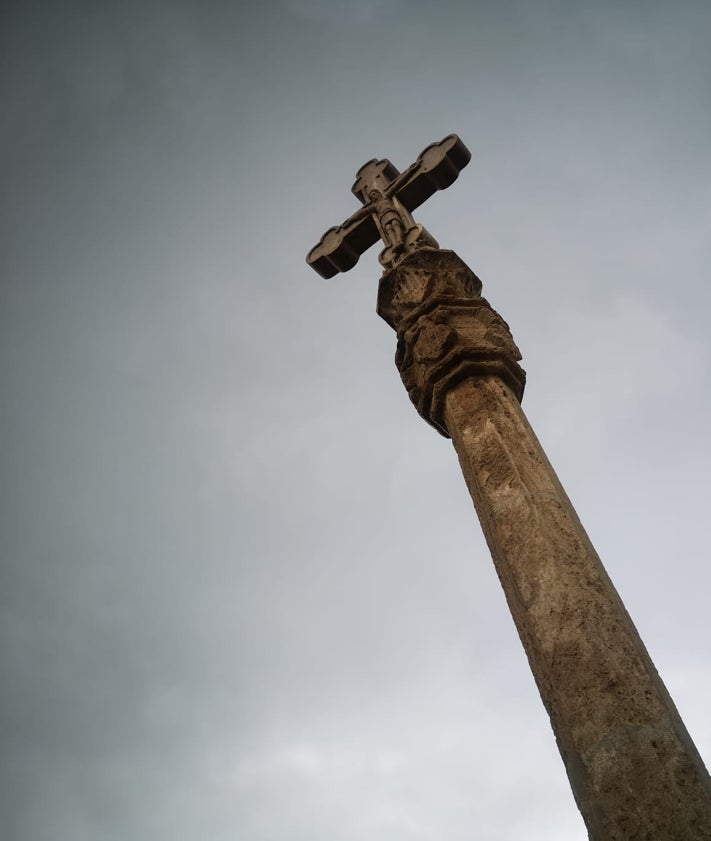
{"x":388,"y":198}
{"x":633,"y":768}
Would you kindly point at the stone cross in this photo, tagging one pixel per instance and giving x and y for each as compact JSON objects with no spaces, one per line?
{"x":389,"y":197}
{"x":633,"y":768}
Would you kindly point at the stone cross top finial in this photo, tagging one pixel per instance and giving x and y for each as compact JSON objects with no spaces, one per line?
{"x":389,"y":197}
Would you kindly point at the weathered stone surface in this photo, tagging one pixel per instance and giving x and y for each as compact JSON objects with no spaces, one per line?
{"x":446,"y":330}
{"x":633,"y":768}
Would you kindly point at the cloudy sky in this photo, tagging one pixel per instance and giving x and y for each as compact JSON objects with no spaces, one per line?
{"x":244,"y":592}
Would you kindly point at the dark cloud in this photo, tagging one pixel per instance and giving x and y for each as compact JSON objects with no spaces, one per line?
{"x":244,"y":589}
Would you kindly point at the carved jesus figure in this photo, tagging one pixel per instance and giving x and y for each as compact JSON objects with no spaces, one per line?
{"x":390,"y":218}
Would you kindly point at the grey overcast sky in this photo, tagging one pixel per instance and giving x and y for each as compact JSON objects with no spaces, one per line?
{"x":244,"y":591}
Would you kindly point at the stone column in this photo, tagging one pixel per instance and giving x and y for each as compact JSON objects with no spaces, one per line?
{"x":633,"y":768}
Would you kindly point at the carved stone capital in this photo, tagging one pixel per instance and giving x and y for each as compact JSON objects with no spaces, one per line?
{"x":446,"y":331}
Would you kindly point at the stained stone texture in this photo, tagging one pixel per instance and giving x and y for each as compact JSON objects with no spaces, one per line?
{"x":634,"y":771}
{"x":446,"y":330}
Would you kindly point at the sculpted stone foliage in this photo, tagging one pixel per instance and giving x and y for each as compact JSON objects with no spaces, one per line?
{"x":446,"y":330}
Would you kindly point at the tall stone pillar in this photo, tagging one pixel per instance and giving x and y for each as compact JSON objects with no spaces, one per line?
{"x":633,"y":768}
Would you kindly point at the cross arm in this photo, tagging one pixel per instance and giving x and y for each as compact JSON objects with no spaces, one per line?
{"x":436,"y":168}
{"x":340,"y":247}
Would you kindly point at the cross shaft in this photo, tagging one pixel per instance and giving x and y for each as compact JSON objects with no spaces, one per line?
{"x":633,"y":768}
